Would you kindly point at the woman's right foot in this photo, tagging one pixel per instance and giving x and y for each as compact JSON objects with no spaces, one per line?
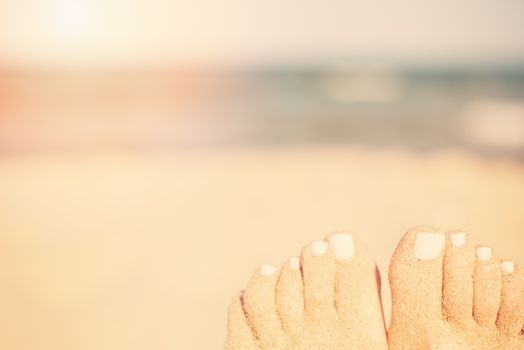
{"x":449,"y":294}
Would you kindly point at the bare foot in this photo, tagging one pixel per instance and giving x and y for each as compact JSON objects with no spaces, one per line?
{"x":449,"y":294}
{"x":329,"y":299}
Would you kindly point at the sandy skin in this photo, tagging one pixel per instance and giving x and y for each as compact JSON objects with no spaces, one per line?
{"x":453,"y":294}
{"x":447,"y":293}
{"x":327,"y":299}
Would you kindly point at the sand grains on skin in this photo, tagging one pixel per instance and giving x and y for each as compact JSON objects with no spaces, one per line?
{"x":328,"y":299}
{"x":449,"y":294}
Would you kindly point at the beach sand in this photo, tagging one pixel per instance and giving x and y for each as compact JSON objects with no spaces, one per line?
{"x":141,"y":251}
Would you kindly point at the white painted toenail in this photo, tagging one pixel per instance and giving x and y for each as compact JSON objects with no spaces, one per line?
{"x":483,"y":253}
{"x":428,"y":245}
{"x":319,"y":248}
{"x":508,"y":267}
{"x":294,"y":263}
{"x":342,"y":245}
{"x":267,"y":270}
{"x":458,"y":239}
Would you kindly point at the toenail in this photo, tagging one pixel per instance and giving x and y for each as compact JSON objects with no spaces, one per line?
{"x":508,"y":267}
{"x":458,"y":239}
{"x":483,"y":253}
{"x":294,"y":263}
{"x":267,"y":270}
{"x":428,"y":246}
{"x":319,"y":248}
{"x":342,"y":245}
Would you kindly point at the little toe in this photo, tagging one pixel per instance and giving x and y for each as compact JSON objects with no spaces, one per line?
{"x":260,"y":307}
{"x":239,"y":335}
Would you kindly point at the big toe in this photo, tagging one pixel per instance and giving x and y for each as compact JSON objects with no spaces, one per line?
{"x":416,"y":273}
{"x":357,"y":288}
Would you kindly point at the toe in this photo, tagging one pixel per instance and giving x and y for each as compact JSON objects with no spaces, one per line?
{"x":416,"y":275}
{"x":260,"y":307}
{"x":357,"y":287}
{"x":290,"y":297}
{"x":355,"y":278}
{"x":318,"y":268}
{"x":457,"y":289}
{"x":487,"y":286}
{"x":239,"y":335}
{"x":511,"y":313}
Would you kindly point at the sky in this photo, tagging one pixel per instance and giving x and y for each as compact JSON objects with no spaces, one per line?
{"x":144,"y":33}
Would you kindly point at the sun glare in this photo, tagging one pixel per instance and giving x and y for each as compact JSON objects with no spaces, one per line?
{"x":72,"y":20}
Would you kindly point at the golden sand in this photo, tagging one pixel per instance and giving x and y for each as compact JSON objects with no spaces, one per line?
{"x":144,"y":252}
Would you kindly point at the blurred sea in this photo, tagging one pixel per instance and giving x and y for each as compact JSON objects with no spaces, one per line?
{"x":479,"y":108}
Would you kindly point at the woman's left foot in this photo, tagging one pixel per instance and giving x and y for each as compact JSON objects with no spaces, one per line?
{"x":328,"y":299}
